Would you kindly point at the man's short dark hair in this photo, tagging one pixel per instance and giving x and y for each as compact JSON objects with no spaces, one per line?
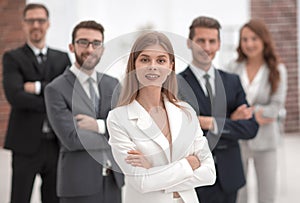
{"x":90,"y":24}
{"x":34,"y":6}
{"x":205,"y":22}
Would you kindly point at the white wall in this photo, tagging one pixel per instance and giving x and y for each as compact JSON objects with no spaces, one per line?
{"x":120,"y":17}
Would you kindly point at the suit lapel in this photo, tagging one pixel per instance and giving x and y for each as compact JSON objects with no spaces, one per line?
{"x":175,"y":123}
{"x":183,"y":130}
{"x":33,"y":59}
{"x":220,"y":102}
{"x":48,"y":68}
{"x":175,"y":119}
{"x":203,"y":101}
{"x":101,"y":93}
{"x":149,"y":128}
{"x":78,"y":91}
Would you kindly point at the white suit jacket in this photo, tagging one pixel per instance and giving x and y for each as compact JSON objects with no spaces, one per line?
{"x":131,"y":127}
{"x":268,"y":135}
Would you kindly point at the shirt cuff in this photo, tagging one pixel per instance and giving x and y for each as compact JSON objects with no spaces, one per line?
{"x":38,"y":87}
{"x":101,"y":126}
{"x":215,"y":130}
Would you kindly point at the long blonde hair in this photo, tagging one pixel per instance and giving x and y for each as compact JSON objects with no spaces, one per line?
{"x":130,"y":87}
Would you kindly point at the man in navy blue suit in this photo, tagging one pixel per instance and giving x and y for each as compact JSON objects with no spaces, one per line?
{"x":222,"y":109}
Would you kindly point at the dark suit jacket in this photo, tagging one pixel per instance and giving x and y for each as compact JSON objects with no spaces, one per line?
{"x":225,"y":147}
{"x":28,"y":111}
{"x":79,"y":172}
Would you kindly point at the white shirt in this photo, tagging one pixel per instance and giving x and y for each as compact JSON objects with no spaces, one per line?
{"x":83,"y":80}
{"x":199,"y":73}
{"x":37,"y":51}
{"x":251,"y":89}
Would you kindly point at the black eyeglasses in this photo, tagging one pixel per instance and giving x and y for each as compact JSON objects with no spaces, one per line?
{"x":84,"y":43}
{"x":40,"y":21}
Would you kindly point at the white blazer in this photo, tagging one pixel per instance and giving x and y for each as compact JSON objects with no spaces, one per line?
{"x":268,"y":135}
{"x":131,"y":127}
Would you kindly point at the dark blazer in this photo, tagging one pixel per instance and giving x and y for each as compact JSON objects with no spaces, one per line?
{"x":28,"y":110}
{"x":79,"y":173}
{"x":225,"y":147}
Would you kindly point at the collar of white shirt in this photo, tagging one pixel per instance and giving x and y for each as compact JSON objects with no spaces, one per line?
{"x":199,"y":73}
{"x":82,"y":76}
{"x":37,"y":51}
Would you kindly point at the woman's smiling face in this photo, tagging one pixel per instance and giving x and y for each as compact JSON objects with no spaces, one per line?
{"x":153,"y":65}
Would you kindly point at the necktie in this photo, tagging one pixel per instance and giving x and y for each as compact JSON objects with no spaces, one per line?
{"x":41,"y":58}
{"x":208,"y":87}
{"x":95,"y":100}
{"x":93,"y":95}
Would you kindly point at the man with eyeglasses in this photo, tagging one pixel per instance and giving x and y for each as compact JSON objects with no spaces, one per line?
{"x":26,"y":72}
{"x":78,"y":103}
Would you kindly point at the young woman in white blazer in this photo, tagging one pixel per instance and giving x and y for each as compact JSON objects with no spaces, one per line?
{"x":264,"y":80}
{"x":156,"y":139}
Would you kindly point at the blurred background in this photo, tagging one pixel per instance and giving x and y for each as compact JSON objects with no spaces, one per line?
{"x":175,"y":16}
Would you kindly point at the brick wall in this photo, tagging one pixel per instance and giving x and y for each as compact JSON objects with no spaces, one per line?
{"x":281,"y":18}
{"x":11,"y":36}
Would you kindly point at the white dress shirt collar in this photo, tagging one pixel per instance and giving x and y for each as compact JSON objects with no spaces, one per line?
{"x":252,"y":88}
{"x":37,"y":51}
{"x":199,"y":73}
{"x":82,"y":76}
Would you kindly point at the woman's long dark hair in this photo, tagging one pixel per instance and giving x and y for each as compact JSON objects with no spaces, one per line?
{"x":269,"y":53}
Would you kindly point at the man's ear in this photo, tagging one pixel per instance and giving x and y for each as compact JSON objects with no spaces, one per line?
{"x":48,"y":24}
{"x":71,"y":48}
{"x":102,"y":50}
{"x":189,"y":43}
